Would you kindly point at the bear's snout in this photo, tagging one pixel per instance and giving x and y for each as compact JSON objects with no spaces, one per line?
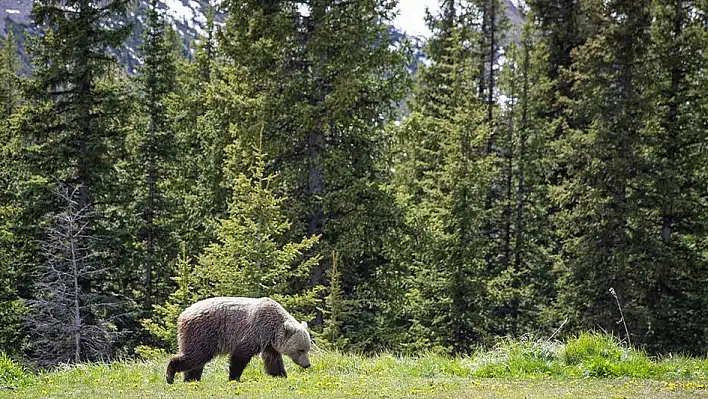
{"x":302,"y":361}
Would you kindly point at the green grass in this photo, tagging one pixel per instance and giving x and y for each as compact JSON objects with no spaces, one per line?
{"x":589,"y":366}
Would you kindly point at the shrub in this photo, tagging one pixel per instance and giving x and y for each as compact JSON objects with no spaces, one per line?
{"x":592,"y":347}
{"x":519,"y":358}
{"x":150,"y":353}
{"x":12,"y":374}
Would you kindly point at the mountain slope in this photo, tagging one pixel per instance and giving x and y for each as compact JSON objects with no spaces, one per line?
{"x":188,"y":17}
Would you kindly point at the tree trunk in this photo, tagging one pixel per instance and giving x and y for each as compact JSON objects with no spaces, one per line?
{"x":671,"y":136}
{"x":76,"y":287}
{"x":315,"y":188}
{"x":490,"y":90}
{"x":507,"y":213}
{"x":521,"y":189}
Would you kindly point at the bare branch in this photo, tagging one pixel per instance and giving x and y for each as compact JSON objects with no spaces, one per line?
{"x":63,"y":309}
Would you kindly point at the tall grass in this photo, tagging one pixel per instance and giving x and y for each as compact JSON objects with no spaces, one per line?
{"x":588,"y":355}
{"x":12,"y":374}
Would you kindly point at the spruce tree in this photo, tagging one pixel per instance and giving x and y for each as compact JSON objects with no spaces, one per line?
{"x":326,"y":80}
{"x":71,"y":128}
{"x":443,"y":176}
{"x":251,"y":257}
{"x":153,"y":158}
{"x":524,"y":289}
{"x":675,"y":258}
{"x":162,"y":325}
{"x":14,"y":250}
{"x":561,"y":27}
{"x":202,"y":110}
{"x":603,"y":248}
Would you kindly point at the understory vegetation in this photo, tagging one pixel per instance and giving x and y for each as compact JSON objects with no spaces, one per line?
{"x":540,"y":169}
{"x":589,"y":365}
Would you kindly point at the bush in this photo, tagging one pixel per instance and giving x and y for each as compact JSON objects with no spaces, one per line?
{"x":149,"y":353}
{"x":12,"y":374}
{"x":592,"y":348}
{"x":519,"y":358}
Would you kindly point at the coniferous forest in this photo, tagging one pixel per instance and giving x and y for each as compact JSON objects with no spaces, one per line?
{"x":541,"y":180}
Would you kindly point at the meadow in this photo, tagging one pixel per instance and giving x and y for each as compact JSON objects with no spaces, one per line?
{"x":588,"y":366}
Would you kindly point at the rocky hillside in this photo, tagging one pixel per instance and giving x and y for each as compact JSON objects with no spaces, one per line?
{"x":187,"y":16}
{"x":14,"y":11}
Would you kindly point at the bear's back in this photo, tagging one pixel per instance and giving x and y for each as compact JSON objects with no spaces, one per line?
{"x":233,"y":320}
{"x":237,"y":311}
{"x":235,"y":308}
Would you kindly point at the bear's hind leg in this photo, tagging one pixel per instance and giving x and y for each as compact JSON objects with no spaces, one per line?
{"x":193,"y":374}
{"x":184,"y":363}
{"x":237,"y":363}
{"x":273,"y":362}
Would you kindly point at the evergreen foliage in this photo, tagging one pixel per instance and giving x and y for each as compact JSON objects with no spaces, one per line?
{"x":445,"y":176}
{"x":501,"y":190}
{"x":673,"y":143}
{"x":251,"y":257}
{"x":152,"y":162}
{"x":9,"y":82}
{"x":13,"y":248}
{"x":329,"y":81}
{"x":163,"y":323}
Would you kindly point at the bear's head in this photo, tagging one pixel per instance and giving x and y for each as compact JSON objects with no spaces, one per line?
{"x":296,"y":343}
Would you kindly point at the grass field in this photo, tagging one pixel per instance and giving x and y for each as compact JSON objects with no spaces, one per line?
{"x":590,"y":366}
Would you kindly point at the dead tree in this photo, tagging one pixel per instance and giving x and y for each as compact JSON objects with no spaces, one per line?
{"x":68,"y":323}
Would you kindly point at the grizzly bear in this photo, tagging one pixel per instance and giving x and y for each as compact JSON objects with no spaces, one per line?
{"x":242,"y":328}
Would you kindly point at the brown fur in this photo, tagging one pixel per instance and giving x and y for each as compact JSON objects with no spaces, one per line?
{"x":242,"y":328}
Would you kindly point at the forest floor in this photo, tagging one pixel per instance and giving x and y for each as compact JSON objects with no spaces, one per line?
{"x":511,"y":370}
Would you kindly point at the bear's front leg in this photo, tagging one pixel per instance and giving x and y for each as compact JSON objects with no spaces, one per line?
{"x":237,"y":363}
{"x":273,"y":362}
{"x":194,"y":374}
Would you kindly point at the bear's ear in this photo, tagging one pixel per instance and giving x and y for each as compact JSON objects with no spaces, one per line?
{"x":304,"y":324}
{"x":290,"y":329}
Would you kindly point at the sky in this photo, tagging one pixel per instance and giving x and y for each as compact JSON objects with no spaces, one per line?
{"x":410,"y":17}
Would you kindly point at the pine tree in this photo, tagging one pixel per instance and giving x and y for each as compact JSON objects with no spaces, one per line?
{"x":326,"y":79}
{"x":15,"y":250}
{"x":153,"y":158}
{"x":603,"y":247}
{"x":675,"y":184}
{"x":252,"y":257}
{"x":71,"y":127}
